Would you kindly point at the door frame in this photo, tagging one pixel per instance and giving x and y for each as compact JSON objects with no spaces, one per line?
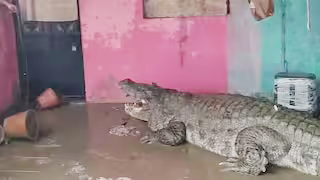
{"x":23,"y":59}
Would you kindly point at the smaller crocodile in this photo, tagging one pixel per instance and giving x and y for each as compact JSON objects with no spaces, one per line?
{"x":250,"y":132}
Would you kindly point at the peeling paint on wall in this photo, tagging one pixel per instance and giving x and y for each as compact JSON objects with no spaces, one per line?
{"x":109,"y":24}
{"x":149,"y":50}
{"x":8,"y":59}
{"x":169,"y":27}
{"x":193,"y":58}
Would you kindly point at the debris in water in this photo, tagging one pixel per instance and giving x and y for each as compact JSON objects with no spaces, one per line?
{"x":106,"y":156}
{"x":125,"y":120}
{"x":116,"y":108}
{"x":74,"y":163}
{"x":48,"y":146}
{"x":30,"y":157}
{"x":102,"y":178}
{"x":84,"y":177}
{"x":48,"y":143}
{"x":124,"y":123}
{"x":77,"y":169}
{"x":120,"y":178}
{"x":124,"y":131}
{"x":123,"y":178}
{"x":43,"y":161}
{"x":135,"y":133}
{"x":18,"y":171}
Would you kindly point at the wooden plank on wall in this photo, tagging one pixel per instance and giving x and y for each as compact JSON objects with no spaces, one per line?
{"x":184,"y":8}
{"x":49,"y":10}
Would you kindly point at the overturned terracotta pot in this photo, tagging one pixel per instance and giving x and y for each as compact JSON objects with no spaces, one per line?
{"x":48,"y":99}
{"x":2,"y":134}
{"x":22,"y":125}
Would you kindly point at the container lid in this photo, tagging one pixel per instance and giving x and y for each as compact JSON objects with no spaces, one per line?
{"x":295,"y":75}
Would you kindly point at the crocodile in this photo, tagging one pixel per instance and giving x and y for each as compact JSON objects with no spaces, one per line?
{"x":252,"y":133}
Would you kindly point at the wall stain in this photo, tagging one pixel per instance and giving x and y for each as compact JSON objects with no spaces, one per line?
{"x":183,"y":39}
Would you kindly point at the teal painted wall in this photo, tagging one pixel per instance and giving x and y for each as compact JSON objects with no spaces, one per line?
{"x":303,"y":47}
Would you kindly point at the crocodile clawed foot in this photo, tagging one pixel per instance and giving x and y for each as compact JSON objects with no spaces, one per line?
{"x":239,"y":166}
{"x":148,"y":140}
{"x":230,"y":162}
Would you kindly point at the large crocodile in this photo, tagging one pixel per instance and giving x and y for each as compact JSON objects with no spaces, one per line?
{"x":250,"y":132}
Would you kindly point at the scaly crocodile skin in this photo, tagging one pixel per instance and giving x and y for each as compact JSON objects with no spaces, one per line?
{"x":250,"y":132}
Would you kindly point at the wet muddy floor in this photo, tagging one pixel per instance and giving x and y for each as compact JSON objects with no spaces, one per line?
{"x":91,"y":142}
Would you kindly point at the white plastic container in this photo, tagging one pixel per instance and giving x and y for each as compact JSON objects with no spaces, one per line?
{"x":296,"y":91}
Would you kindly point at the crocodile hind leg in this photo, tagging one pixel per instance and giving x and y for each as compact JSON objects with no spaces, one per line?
{"x":174,"y":134}
{"x":253,"y":163}
{"x":256,"y":147}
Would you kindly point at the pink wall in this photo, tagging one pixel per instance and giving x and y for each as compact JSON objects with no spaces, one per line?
{"x":8,"y":58}
{"x":187,"y":53}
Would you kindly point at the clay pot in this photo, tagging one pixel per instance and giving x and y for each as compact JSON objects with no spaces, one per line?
{"x":2,"y":134}
{"x":22,"y":125}
{"x":48,"y":99}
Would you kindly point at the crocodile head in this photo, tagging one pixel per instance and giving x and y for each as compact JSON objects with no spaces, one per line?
{"x":138,"y":110}
{"x":141,"y":94}
{"x":138,"y":91}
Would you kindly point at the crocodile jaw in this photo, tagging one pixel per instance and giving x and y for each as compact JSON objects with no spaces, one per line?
{"x":136,"y":110}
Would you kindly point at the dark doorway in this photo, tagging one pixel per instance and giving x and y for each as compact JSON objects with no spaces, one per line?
{"x":50,"y":56}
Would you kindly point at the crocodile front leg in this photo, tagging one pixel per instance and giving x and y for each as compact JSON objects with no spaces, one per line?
{"x":257,"y":146}
{"x":174,"y":134}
